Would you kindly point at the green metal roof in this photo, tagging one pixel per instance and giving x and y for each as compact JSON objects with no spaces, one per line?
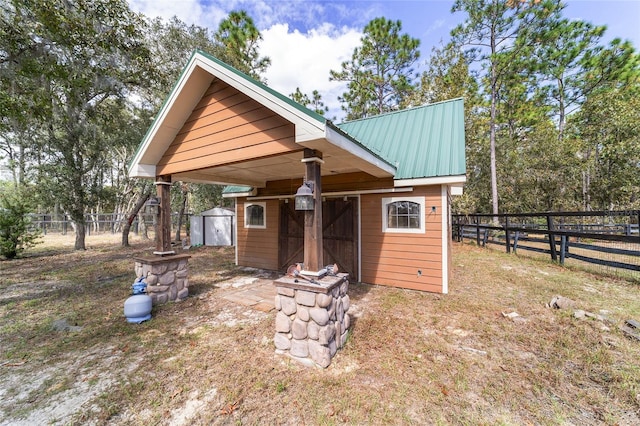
{"x":233,"y":189}
{"x":426,"y":141}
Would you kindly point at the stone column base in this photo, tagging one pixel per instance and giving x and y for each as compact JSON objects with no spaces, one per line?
{"x":312,"y":321}
{"x":166,"y":277}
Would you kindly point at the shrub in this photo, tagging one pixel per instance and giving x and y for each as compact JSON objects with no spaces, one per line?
{"x":15,"y":234}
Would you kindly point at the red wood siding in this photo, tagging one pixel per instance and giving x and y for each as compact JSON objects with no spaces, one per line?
{"x":258,"y":248}
{"x":225,"y":127}
{"x":394,"y":259}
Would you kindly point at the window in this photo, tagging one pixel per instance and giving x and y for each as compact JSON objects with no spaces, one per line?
{"x":255,"y":215}
{"x":403,"y":214}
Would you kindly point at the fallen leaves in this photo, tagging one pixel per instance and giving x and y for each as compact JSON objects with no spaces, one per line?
{"x":230,"y":408}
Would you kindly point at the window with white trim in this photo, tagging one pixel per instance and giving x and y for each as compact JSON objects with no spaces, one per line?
{"x":403,"y":214}
{"x":255,"y":215}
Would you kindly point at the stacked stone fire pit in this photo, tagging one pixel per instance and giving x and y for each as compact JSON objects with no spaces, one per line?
{"x":312,"y":320}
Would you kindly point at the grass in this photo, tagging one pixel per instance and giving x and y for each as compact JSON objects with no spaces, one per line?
{"x":411,"y":357}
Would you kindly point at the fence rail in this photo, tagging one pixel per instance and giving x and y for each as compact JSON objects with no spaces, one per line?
{"x":610,"y":239}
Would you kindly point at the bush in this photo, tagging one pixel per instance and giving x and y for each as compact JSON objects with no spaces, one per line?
{"x":15,"y":235}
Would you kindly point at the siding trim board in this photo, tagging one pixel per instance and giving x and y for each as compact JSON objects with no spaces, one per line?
{"x":328,"y":194}
{"x":444,"y":206}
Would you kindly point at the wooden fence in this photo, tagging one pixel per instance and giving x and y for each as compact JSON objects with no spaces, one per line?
{"x":606,"y":238}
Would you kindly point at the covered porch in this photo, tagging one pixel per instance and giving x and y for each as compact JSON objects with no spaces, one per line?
{"x":219,"y":126}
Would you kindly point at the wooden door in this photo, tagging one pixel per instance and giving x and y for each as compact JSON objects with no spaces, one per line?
{"x":339,"y":229}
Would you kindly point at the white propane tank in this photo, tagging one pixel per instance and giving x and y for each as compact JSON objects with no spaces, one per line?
{"x":137,"y":308}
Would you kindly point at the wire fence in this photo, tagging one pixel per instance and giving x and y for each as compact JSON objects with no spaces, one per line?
{"x":106,"y":223}
{"x":605,"y":241}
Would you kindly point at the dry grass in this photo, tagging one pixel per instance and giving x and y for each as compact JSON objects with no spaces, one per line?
{"x":412,"y":358}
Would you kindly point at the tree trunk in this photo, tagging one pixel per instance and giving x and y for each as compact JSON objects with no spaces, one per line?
{"x":143,"y":231}
{"x":492,"y":136}
{"x":127,"y":224}
{"x":80,"y":234}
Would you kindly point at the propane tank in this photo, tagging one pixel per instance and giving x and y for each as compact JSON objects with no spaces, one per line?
{"x":137,"y":308}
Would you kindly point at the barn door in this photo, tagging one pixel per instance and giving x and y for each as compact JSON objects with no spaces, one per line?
{"x":340,"y":232}
{"x":291,"y":235}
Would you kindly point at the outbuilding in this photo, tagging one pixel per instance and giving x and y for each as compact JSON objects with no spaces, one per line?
{"x":382,"y":185}
{"x":213,"y":227}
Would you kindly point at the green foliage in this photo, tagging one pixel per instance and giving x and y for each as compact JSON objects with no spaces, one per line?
{"x":204,"y":197}
{"x":489,"y":33}
{"x":171,"y":44}
{"x":88,"y":58}
{"x":447,"y":77}
{"x":314,"y":103}
{"x":607,"y":131}
{"x":16,"y":235}
{"x":538,"y":70}
{"x":379,"y":73}
{"x":239,"y":37}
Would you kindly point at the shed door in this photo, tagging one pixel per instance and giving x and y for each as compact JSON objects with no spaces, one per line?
{"x":340,"y":232}
{"x":217,"y":230}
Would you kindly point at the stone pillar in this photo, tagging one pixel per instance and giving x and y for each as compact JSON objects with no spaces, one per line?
{"x":312,"y":322}
{"x":167,"y":278}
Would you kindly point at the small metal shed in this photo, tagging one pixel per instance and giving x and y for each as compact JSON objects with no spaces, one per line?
{"x":213,"y":227}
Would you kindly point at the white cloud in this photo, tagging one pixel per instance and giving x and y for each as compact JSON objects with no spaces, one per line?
{"x":304,"y":60}
{"x":206,"y":15}
{"x":298,"y":59}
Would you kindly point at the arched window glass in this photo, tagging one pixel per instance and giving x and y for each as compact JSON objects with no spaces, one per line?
{"x":403,"y":214}
{"x":254,"y":215}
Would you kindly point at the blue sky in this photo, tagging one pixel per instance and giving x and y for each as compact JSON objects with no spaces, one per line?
{"x":306,"y":39}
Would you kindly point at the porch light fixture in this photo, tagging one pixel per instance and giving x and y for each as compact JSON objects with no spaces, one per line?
{"x":153,"y":201}
{"x":304,"y":197}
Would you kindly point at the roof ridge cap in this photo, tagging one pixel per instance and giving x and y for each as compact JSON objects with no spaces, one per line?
{"x":399,"y":111}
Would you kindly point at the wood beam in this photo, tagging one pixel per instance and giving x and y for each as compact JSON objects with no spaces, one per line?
{"x":163,"y":233}
{"x":313,"y":249}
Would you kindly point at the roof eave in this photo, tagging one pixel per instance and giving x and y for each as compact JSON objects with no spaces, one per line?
{"x":433,"y":180}
{"x":381,"y":167}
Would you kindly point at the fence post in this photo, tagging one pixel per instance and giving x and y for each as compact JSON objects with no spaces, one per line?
{"x":563,"y":248}
{"x":552,"y":238}
{"x":477,"y":219}
{"x":507,"y":235}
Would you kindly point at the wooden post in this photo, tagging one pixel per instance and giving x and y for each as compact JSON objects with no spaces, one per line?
{"x":313,"y":249}
{"x":507,"y":234}
{"x":552,"y":238}
{"x":163,"y":233}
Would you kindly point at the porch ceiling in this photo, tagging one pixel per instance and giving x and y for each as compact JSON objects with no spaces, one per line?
{"x":257,"y":172}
